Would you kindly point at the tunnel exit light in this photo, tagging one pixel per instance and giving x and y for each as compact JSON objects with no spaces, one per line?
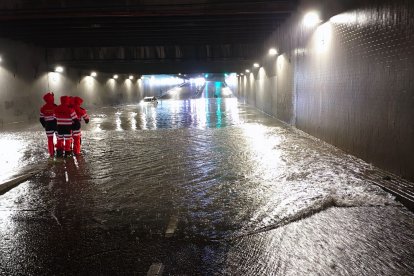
{"x":93,"y":74}
{"x":311,"y":19}
{"x":59,"y":69}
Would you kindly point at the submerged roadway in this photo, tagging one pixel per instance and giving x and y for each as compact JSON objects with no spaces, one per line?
{"x":198,"y":184}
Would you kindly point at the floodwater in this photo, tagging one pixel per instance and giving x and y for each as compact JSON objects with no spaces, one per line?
{"x":250,"y":196}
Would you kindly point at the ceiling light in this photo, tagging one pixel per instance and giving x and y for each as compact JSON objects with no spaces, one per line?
{"x":247,"y":71}
{"x":256,"y":65}
{"x":115,"y":76}
{"x":272,"y":51}
{"x":311,"y":19}
{"x":93,"y":74}
{"x":131,"y":77}
{"x":59,"y":69}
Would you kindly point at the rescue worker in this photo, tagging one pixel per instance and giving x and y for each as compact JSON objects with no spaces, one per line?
{"x":66,"y":120}
{"x":71,"y":105}
{"x":48,"y":120}
{"x":76,"y":134}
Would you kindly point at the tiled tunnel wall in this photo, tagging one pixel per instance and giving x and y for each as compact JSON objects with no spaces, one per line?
{"x":348,"y":81}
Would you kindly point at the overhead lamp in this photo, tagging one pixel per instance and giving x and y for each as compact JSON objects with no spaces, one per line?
{"x":311,"y":19}
{"x":241,"y":74}
{"x":256,"y":65}
{"x":59,"y":69}
{"x":272,"y":51}
{"x":179,"y":74}
{"x":247,"y":71}
{"x":131,"y":77}
{"x":115,"y":76}
{"x":93,"y":74}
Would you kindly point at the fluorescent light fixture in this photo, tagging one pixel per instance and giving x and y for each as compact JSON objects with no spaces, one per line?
{"x":256,"y":65}
{"x":131,"y":77}
{"x":93,"y":74}
{"x":247,"y":71}
{"x":59,"y":69}
{"x":115,"y":76}
{"x":311,"y":19}
{"x":272,"y":52}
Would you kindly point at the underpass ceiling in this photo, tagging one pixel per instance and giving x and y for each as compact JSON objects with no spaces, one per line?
{"x":176,"y":35}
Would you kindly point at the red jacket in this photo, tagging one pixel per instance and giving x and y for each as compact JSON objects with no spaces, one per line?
{"x":80,"y":112}
{"x":47,"y":111}
{"x":65,"y":115}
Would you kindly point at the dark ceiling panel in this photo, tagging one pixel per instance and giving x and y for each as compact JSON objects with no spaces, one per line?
{"x":201,"y":30}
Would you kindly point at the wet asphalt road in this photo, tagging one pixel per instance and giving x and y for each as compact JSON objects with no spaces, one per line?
{"x":251,"y":197}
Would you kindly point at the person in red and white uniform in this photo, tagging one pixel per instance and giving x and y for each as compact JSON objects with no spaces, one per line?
{"x":48,"y":120}
{"x":66,"y":120}
{"x":76,"y":133}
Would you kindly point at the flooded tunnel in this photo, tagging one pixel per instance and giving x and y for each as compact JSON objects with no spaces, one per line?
{"x":221,"y":137}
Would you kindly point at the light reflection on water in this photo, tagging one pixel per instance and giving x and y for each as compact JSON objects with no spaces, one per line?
{"x":195,"y":113}
{"x":225,"y":168}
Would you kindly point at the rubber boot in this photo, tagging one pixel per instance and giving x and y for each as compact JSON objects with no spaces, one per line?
{"x":68,"y":149}
{"x":76,"y":145}
{"x":59,"y":147}
{"x":50,"y":146}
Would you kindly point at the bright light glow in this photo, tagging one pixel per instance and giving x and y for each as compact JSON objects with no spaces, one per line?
{"x":272,"y":52}
{"x":311,"y":19}
{"x":226,"y":91}
{"x":247,"y":71}
{"x":59,"y":69}
{"x":256,"y":65}
{"x":93,"y":74}
{"x":115,"y":76}
{"x":241,"y":74}
{"x":131,"y":77}
{"x":344,"y":18}
{"x":198,"y":81}
{"x":1,"y":59}
{"x":323,"y":36}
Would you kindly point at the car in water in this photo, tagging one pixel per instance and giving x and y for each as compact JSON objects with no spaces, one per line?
{"x":150,"y":99}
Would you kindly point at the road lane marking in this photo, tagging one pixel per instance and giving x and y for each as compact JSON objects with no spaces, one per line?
{"x":172,"y":226}
{"x":156,"y":269}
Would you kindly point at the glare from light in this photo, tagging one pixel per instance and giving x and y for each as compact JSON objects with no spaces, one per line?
{"x":241,"y":74}
{"x":247,"y":71}
{"x":323,"y":36}
{"x":1,"y":59}
{"x":93,"y":74}
{"x":256,"y":65}
{"x":131,"y":77}
{"x":115,"y":76}
{"x":179,"y":74}
{"x":59,"y":69}
{"x":272,"y":52}
{"x":345,"y":18}
{"x":311,"y":19}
